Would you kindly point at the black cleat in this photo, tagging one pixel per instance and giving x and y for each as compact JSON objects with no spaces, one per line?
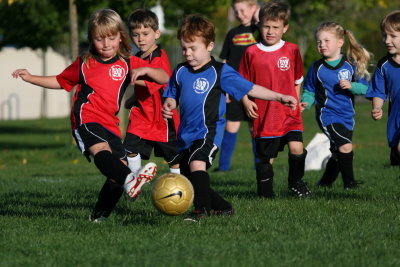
{"x":196,"y":216}
{"x":300,"y":189}
{"x":227,"y":212}
{"x":321,"y":184}
{"x":353,"y":185}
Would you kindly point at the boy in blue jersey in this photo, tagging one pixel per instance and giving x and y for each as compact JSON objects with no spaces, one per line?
{"x":386,"y":80}
{"x":199,"y":86}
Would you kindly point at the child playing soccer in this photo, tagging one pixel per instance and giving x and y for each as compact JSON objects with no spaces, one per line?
{"x":331,"y":83}
{"x":101,"y":76}
{"x":275,"y":64}
{"x":199,"y":86}
{"x":147,"y":129}
{"x":385,"y":82}
{"x":236,"y":42}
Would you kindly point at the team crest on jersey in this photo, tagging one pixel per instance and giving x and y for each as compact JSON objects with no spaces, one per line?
{"x":117,"y":72}
{"x":283,"y":64}
{"x":344,"y":75}
{"x":201,"y":85}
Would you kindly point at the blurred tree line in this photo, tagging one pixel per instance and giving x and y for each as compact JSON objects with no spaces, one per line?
{"x":62,"y":24}
{"x":46,"y":23}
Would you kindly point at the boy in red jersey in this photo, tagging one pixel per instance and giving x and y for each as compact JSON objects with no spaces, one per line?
{"x":147,"y":129}
{"x":275,"y":64}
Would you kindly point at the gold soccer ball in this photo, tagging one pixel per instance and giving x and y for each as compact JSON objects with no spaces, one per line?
{"x":172,"y":194}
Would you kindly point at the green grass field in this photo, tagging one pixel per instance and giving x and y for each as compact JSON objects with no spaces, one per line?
{"x":47,"y":191}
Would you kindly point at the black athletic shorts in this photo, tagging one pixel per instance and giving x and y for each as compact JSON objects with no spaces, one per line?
{"x":268,"y":148}
{"x":202,"y":149}
{"x":136,"y":145}
{"x":338,"y":134}
{"x":235,"y":111}
{"x":89,"y":134}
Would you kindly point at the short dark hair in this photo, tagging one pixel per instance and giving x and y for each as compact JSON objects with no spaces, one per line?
{"x":142,"y":16}
{"x":275,"y":10}
{"x":195,"y":25}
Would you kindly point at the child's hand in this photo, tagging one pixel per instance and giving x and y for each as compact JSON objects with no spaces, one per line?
{"x":228,"y":99}
{"x":251,"y":108}
{"x":22,"y":73}
{"x":289,"y":101}
{"x":136,"y":73}
{"x":168,"y":106}
{"x":303,"y":106}
{"x":345,"y":84}
{"x":377,"y":113}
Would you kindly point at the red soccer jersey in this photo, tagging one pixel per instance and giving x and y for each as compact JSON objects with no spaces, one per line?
{"x":146,"y":120}
{"x":279,"y":68}
{"x":99,"y":91}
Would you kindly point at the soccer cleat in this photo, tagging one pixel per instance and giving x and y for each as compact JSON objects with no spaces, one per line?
{"x":321,"y":184}
{"x":300,"y":189}
{"x":227,"y":212}
{"x":353,"y":185}
{"x":94,"y":219}
{"x":196,"y":216}
{"x":133,"y":184}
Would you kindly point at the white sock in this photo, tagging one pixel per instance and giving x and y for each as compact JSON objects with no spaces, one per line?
{"x":135,"y":163}
{"x":177,"y":170}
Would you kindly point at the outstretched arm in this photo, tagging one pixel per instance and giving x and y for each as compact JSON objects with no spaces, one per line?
{"x":157,"y":75}
{"x":43,"y":81}
{"x":263,"y":93}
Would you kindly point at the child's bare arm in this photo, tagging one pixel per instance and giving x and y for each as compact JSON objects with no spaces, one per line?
{"x":377,"y":111}
{"x":43,"y":81}
{"x":263,"y":93}
{"x":157,"y":75}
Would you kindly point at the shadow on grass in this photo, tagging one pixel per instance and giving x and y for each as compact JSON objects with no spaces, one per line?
{"x":33,"y":129}
{"x":286,"y":194}
{"x":29,"y":145}
{"x":39,"y":204}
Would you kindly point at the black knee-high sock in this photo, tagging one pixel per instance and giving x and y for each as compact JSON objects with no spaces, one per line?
{"x":265,"y":178}
{"x":331,"y":171}
{"x":202,"y":191}
{"x":111,"y":166}
{"x":108,"y":198}
{"x":345,"y":162}
{"x":296,"y":167}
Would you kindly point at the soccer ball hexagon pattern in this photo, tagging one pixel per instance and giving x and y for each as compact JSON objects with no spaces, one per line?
{"x":172,"y":194}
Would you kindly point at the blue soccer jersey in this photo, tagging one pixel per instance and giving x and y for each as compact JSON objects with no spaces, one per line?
{"x":386,"y":83}
{"x":201,"y":97}
{"x":333,"y":104}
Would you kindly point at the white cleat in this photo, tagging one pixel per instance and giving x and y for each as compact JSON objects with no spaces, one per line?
{"x":133,"y":184}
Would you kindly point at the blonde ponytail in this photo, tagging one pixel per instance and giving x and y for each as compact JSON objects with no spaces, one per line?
{"x":358,"y":55}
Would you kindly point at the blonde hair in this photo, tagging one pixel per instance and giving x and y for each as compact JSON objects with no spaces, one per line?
{"x":391,"y":22}
{"x":355,"y":53}
{"x":105,"y":22}
{"x":250,"y":2}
